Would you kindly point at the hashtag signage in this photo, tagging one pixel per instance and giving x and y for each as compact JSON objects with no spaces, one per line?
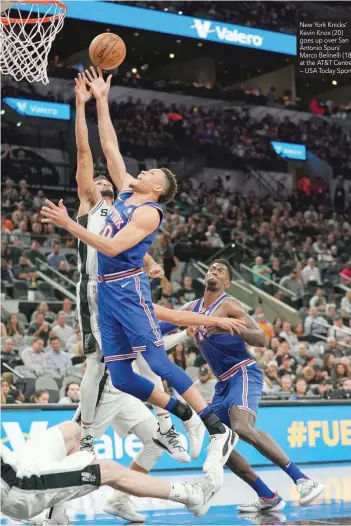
{"x":324,"y":48}
{"x":297,"y":434}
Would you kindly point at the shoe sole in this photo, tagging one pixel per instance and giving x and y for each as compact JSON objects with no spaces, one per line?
{"x":230,"y":444}
{"x":313,"y":495}
{"x":112,"y":511}
{"x":278,"y":507}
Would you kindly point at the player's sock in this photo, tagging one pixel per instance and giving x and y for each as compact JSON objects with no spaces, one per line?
{"x":261,"y":489}
{"x":294,"y":472}
{"x":86,"y":430}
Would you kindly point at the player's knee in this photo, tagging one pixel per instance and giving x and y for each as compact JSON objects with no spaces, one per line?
{"x":243,"y":430}
{"x":109,"y":472}
{"x":148,"y":455}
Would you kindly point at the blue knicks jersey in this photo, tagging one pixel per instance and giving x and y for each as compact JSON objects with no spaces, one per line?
{"x":117,"y":218}
{"x":223,"y":352}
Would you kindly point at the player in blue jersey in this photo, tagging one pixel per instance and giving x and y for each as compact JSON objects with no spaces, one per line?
{"x":127,"y":320}
{"x":239,"y":388}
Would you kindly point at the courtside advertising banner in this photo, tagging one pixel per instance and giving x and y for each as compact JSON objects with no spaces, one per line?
{"x":39,"y":108}
{"x":318,"y":433}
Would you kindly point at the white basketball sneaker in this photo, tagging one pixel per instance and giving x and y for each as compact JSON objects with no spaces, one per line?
{"x":121,"y":505}
{"x":220,"y":447}
{"x":203,"y":492}
{"x":87,"y":444}
{"x":309,"y":490}
{"x":276,"y":503}
{"x":196,"y":433}
{"x":174,"y":443}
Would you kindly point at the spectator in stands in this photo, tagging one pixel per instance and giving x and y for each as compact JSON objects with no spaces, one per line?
{"x":41,"y":396}
{"x":271,"y":375}
{"x":213,"y":238}
{"x":52,"y":237}
{"x":61,"y":329}
{"x":20,"y":236}
{"x":72,"y":394}
{"x":318,"y":300}
{"x":39,"y":200}
{"x":178,"y":356}
{"x":267,"y":328}
{"x":33,"y":253}
{"x":277,"y":272}
{"x":261,"y":272}
{"x":186,"y":292}
{"x":56,"y":258}
{"x":345,"y":275}
{"x":9,"y":195}
{"x":288,"y":335}
{"x":286,"y":383}
{"x":300,"y":355}
{"x":9,"y":355}
{"x":262,"y":243}
{"x":339,"y":331}
{"x":206,"y":384}
{"x":14,"y":328}
{"x":315,"y":325}
{"x":57,"y":358}
{"x":70,"y":315}
{"x":340,"y":371}
{"x":292,"y":283}
{"x":300,"y":389}
{"x":43,"y":308}
{"x":33,"y":357}
{"x":40,"y":328}
{"x":345,"y":303}
{"x":6,"y":273}
{"x":310,"y":273}
{"x":331,"y":313}
{"x":25,"y":270}
{"x":6,"y":398}
{"x":328,"y":362}
{"x":18,"y":396}
{"x":286,"y":366}
{"x":325,"y":257}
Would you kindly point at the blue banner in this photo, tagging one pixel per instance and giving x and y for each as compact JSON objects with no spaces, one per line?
{"x":39,"y":108}
{"x":312,"y":434}
{"x":289,"y":150}
{"x":185,"y":26}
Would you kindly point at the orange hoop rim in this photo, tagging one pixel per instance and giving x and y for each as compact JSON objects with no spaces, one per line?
{"x":8,"y":21}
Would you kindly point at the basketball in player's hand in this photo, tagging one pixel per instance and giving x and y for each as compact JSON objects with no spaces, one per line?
{"x":107,"y":51}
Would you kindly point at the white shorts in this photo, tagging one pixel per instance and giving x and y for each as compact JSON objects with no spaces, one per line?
{"x":41,"y":476}
{"x":120,"y":410}
{"x":88,"y":315}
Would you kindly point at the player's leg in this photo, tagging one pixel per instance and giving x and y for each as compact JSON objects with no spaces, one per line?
{"x":174,"y":442}
{"x":89,"y":390}
{"x":119,"y":503}
{"x":246,"y":393}
{"x":132,"y":329}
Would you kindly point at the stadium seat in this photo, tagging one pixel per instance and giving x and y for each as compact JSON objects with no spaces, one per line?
{"x":53,"y":373}
{"x":24,"y":371}
{"x":73,"y":371}
{"x":45,"y":291}
{"x":20,"y":290}
{"x":46,"y":382}
{"x":27,"y":341}
{"x":22,"y":318}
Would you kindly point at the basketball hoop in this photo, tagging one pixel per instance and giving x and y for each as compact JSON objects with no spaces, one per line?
{"x":26,"y":37}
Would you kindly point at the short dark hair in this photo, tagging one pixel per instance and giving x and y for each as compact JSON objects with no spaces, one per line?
{"x":172,"y":187}
{"x":226,"y":264}
{"x":101,"y":178}
{"x":69,"y":385}
{"x":53,"y":338}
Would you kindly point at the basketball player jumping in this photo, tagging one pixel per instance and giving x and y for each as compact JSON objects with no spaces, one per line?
{"x":127,"y":318}
{"x":96,"y":198}
{"x":239,"y":389}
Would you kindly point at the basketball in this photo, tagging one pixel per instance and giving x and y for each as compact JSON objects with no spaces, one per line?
{"x":107,"y":51}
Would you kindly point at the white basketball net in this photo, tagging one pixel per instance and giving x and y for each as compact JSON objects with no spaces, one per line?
{"x":25,"y":45}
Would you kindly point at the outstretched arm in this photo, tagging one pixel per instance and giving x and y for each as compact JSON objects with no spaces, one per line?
{"x":108,"y":137}
{"x":144,"y":222}
{"x":251,"y":333}
{"x":192,"y":319}
{"x":88,"y":194}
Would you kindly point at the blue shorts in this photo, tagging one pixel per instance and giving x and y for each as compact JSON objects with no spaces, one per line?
{"x":127,"y":319}
{"x":243,"y":389}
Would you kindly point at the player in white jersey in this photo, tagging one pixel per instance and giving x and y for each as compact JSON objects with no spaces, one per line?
{"x":49,"y":470}
{"x":96,"y":197}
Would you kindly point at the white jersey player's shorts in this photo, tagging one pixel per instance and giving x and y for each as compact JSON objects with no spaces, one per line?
{"x":40,"y":475}
{"x":120,"y":410}
{"x":88,"y":316}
